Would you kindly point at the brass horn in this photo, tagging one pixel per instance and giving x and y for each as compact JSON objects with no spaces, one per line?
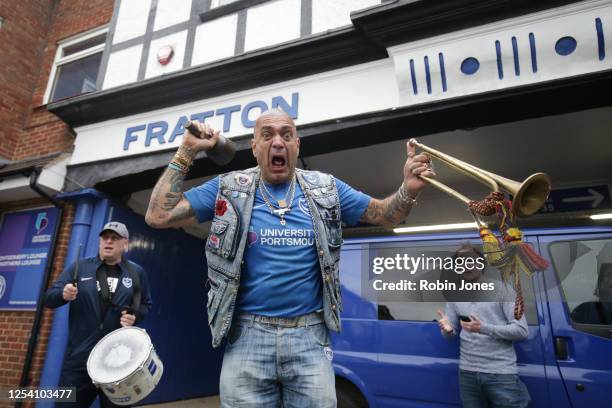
{"x":528,"y":196}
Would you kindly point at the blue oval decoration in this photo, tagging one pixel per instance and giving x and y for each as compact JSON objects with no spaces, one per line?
{"x":470,"y":65}
{"x":566,"y":45}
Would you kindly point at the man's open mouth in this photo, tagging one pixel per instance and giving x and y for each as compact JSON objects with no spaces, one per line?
{"x":278,"y":162}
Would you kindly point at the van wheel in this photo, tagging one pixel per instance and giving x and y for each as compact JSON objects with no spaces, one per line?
{"x":348,"y":396}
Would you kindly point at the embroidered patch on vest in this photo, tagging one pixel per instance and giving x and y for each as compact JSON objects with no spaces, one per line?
{"x":214,"y":242}
{"x":219,"y":228}
{"x":127,"y":282}
{"x":312,"y":178}
{"x":220,"y":207}
{"x":243,"y":179}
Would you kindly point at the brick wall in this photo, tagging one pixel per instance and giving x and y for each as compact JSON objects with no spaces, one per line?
{"x":44,"y":132}
{"x":22,"y":39}
{"x":28,"y":42}
{"x":15,"y":327}
{"x":29,"y":36}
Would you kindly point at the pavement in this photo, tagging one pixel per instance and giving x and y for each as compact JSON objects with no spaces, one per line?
{"x":204,"y":402}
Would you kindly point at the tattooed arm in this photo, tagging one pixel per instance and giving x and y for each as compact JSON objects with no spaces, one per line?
{"x":388,"y":212}
{"x":168,"y":207}
{"x":395,"y":208}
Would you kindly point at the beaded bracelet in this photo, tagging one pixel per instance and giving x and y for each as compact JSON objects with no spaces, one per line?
{"x":178,"y":167}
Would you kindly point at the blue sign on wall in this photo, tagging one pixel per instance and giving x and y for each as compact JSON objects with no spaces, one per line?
{"x":588,"y":198}
{"x":25,"y":240}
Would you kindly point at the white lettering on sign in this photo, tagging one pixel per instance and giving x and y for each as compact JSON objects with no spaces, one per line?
{"x":22,"y":259}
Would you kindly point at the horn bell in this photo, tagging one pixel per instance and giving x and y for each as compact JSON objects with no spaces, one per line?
{"x":527,"y":197}
{"x":531,"y":195}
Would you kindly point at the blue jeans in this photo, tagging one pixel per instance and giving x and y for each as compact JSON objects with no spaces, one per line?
{"x":272,"y":365}
{"x":484,"y":390}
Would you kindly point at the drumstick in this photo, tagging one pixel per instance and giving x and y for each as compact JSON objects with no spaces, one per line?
{"x":75,"y":274}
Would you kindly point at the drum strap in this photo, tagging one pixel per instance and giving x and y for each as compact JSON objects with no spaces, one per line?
{"x":105,"y":299}
{"x":136,"y":289}
{"x":105,"y":293}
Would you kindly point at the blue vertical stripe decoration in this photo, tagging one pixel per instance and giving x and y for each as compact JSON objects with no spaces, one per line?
{"x":415,"y":90}
{"x":534,"y":58}
{"x":601,"y":45}
{"x":517,"y":67}
{"x":500,"y":67}
{"x":442,"y":71}
{"x":152,"y":367}
{"x":427,"y":75}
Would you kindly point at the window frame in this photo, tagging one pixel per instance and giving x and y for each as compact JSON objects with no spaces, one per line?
{"x":220,"y":11}
{"x":60,"y":60}
{"x":600,"y":330}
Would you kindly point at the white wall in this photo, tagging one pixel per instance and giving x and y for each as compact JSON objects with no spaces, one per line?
{"x":267,"y":24}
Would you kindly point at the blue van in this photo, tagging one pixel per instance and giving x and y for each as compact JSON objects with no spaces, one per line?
{"x":391,"y":354}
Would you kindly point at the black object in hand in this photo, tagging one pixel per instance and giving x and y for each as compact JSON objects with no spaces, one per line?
{"x":464,"y":318}
{"x":223,"y":151}
{"x":129,"y":310}
{"x":193,"y":128}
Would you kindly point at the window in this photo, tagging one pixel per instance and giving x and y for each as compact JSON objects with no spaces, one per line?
{"x":584,"y":269}
{"x":76,"y":66}
{"x":219,"y":8}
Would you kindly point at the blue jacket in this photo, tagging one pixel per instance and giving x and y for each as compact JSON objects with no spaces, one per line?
{"x":86,"y":323}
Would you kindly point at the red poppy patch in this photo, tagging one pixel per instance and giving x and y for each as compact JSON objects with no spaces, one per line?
{"x":220,"y":207}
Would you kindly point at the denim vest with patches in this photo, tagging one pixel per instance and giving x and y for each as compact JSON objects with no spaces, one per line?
{"x":228,"y":237}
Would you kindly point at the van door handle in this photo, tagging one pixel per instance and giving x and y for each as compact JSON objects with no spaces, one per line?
{"x":561,"y":348}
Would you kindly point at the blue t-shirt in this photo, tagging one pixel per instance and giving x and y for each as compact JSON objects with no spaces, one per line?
{"x":280,"y":275}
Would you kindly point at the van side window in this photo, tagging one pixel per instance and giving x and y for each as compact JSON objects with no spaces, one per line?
{"x":584,"y":269}
{"x":421,"y":305}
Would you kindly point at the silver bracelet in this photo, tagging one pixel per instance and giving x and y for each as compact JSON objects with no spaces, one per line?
{"x":404,"y":195}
